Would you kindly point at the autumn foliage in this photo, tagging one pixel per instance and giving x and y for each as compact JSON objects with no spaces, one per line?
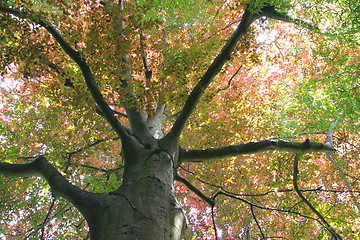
{"x":294,"y":75}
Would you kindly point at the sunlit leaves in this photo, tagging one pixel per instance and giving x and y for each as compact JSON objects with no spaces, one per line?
{"x":292,"y":83}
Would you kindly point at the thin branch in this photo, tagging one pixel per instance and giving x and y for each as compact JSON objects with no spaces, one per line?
{"x":343,"y":176}
{"x":356,"y":178}
{"x":194,"y":189}
{"x":302,"y":197}
{"x":230,"y":80}
{"x":213,"y":220}
{"x":318,"y":189}
{"x":60,"y":212}
{"x":203,"y":155}
{"x":256,"y":221}
{"x":68,"y":81}
{"x":47,"y":218}
{"x":92,"y":145}
{"x":79,"y":59}
{"x":262,"y":207}
{"x":106,"y":171}
{"x":347,"y":142}
{"x":210,"y":74}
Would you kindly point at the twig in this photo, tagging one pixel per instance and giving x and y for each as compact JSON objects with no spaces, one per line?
{"x":230,"y":80}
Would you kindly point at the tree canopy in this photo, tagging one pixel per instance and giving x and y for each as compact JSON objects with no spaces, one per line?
{"x":237,"y":78}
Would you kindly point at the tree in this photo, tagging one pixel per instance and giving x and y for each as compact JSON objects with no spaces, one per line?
{"x":107,"y":102}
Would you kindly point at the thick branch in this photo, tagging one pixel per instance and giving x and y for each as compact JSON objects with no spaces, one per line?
{"x":58,"y":183}
{"x":80,"y":60}
{"x":210,"y":74}
{"x":269,"y":11}
{"x":136,"y":116}
{"x":204,"y":155}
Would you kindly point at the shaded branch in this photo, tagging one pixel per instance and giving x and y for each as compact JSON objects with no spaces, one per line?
{"x":262,"y":207}
{"x":47,"y":218}
{"x":136,"y":116}
{"x":210,"y":74}
{"x":214,"y":224}
{"x":33,"y":231}
{"x":209,"y":154}
{"x":311,"y":207}
{"x":270,"y":11}
{"x":79,"y":58}
{"x":230,"y":80}
{"x":91,"y":145}
{"x":148,"y":73}
{"x":194,"y":189}
{"x":256,"y":221}
{"x":58,"y":183}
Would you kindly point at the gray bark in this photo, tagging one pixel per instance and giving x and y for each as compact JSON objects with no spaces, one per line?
{"x":144,"y":207}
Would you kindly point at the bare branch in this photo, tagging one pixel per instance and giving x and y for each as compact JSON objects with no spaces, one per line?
{"x":210,"y":74}
{"x":213,"y":220}
{"x":91,"y":145}
{"x":347,"y":142}
{"x":262,"y":207}
{"x":194,"y":189}
{"x":256,"y":221}
{"x":47,"y":217}
{"x":302,"y":197}
{"x":60,"y":212}
{"x":203,"y":155}
{"x":230,"y":80}
{"x":79,"y":58}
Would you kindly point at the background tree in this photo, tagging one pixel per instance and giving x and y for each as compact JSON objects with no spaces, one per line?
{"x":104,"y":107}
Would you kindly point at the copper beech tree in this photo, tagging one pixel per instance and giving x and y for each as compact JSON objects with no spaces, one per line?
{"x":141,"y":119}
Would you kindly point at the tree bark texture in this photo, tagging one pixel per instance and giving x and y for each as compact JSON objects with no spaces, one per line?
{"x":144,"y":207}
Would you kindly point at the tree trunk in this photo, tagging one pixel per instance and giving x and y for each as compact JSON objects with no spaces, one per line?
{"x":144,"y":207}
